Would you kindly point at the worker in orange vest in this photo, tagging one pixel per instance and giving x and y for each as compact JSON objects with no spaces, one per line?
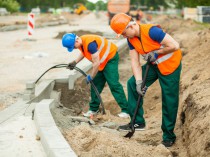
{"x":152,"y":42}
{"x":104,"y":56}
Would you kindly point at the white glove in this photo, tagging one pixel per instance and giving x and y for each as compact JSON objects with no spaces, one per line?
{"x":140,"y":90}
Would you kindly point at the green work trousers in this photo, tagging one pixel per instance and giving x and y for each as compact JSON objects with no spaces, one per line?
{"x":110,"y":75}
{"x":170,"y":98}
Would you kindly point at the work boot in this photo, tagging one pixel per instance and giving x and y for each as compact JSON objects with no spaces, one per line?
{"x":90,"y":113}
{"x":123,"y":115}
{"x":127,"y":127}
{"x":168,"y":144}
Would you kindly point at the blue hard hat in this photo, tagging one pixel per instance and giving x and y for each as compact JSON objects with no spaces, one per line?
{"x":68,"y":41}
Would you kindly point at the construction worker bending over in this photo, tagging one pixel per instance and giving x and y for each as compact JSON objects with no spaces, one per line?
{"x":104,"y":56}
{"x":150,"y":41}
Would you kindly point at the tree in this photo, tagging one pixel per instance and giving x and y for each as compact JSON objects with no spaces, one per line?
{"x":90,"y":5}
{"x":10,"y":5}
{"x":150,"y":3}
{"x":26,"y":5}
{"x":101,"y":5}
{"x":192,"y":3}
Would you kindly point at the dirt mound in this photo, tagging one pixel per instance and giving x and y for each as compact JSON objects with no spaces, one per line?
{"x":195,"y":83}
{"x":196,"y":97}
{"x":75,"y":100}
{"x":88,"y":142}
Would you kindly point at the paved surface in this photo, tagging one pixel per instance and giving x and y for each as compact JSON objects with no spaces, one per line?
{"x":18,"y":138}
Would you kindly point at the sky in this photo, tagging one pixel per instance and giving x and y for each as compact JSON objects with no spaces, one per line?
{"x":94,"y":1}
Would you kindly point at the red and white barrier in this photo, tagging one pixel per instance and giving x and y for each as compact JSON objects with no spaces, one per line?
{"x":31,"y":24}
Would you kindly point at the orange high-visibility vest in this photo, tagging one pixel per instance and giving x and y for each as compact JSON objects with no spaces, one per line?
{"x":106,"y":49}
{"x":166,"y":63}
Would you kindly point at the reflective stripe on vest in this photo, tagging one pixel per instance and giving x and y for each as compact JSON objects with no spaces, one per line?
{"x":160,"y":60}
{"x":102,"y":44}
{"x":107,"y":49}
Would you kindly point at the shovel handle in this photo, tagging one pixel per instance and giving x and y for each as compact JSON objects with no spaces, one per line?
{"x":140,"y":96}
{"x":130,"y":134}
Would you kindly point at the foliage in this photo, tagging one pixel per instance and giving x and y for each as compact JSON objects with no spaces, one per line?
{"x":153,"y":4}
{"x":179,"y":3}
{"x":192,"y":3}
{"x":26,"y":5}
{"x":10,"y":5}
{"x":100,"y":5}
{"x":45,"y":4}
{"x":90,"y":6}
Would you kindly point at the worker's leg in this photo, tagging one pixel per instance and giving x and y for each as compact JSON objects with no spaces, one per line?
{"x":170,"y":100}
{"x":99,"y":81}
{"x":133,"y":95}
{"x":112,"y":77}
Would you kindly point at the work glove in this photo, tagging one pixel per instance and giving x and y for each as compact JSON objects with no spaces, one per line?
{"x":140,"y":90}
{"x":153,"y":56}
{"x":71,"y":65}
{"x":88,"y":79}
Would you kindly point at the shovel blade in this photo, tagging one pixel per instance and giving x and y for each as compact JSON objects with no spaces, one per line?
{"x":129,"y":134}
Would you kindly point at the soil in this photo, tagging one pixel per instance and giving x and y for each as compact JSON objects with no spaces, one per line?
{"x":92,"y":140}
{"x":102,"y":138}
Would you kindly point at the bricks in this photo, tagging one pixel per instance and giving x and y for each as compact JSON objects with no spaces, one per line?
{"x":30,"y":84}
{"x":29,"y":92}
{"x":52,"y":140}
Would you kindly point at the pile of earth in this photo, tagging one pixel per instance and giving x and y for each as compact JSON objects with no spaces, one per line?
{"x":194,"y":107}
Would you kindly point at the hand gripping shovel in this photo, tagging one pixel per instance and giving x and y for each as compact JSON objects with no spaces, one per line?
{"x":130,"y":134}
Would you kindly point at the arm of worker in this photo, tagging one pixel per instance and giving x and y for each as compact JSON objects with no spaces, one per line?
{"x":137,"y":72}
{"x":93,"y":49}
{"x":169,"y":44}
{"x":72,"y":64}
{"x":96,"y":64}
{"x":79,"y":58}
{"x":135,"y":64}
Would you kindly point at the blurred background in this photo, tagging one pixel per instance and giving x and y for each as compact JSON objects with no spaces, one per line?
{"x":131,"y":7}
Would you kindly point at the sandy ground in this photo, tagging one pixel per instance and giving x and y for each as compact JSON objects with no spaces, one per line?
{"x":192,"y":128}
{"x":21,"y":141}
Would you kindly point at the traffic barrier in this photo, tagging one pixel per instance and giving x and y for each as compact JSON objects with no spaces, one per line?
{"x":31,"y":24}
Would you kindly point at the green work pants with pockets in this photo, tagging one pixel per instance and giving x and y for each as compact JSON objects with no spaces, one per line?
{"x":170,"y":98}
{"x":110,"y":75}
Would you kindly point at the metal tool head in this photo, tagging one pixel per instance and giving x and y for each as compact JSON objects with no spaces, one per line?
{"x":130,"y":133}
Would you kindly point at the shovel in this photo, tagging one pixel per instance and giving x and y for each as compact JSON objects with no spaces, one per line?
{"x":130,"y":134}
